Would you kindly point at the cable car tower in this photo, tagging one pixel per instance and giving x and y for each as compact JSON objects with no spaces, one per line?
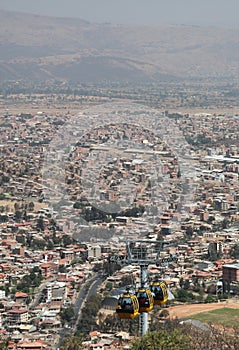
{"x":143,"y":253}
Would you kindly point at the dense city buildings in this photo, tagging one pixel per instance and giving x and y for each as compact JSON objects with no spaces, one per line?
{"x":50,"y":258}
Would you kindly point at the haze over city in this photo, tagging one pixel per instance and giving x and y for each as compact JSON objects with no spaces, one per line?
{"x":119,"y":174}
{"x":150,"y":12}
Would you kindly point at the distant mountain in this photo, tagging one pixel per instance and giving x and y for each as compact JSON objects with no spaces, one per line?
{"x":39,"y":47}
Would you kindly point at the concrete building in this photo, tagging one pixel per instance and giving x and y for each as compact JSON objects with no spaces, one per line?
{"x":230,"y":273}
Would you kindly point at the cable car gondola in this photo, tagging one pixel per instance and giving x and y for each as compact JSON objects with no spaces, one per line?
{"x":128,"y":306}
{"x":160,"y":292}
{"x":145,"y":299}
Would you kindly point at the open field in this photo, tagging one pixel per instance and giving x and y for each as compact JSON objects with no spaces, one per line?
{"x":226,"y":317}
{"x":186,"y":310}
{"x":10,"y":204}
{"x":74,"y":108}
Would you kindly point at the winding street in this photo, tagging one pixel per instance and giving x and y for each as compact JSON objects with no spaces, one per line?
{"x":88,"y":288}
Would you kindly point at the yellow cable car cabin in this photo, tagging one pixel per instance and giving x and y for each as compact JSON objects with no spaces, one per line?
{"x":145,"y":299}
{"x":160,"y":292}
{"x":128,"y":306}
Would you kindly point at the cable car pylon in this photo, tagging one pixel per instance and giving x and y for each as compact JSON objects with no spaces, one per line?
{"x":143,"y":317}
{"x":141,"y":253}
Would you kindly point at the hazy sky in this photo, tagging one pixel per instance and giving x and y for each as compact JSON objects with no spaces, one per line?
{"x":201,"y":12}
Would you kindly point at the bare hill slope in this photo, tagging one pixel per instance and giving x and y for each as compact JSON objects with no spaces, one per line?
{"x":39,"y":47}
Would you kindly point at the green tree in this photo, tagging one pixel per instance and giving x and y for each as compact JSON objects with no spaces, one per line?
{"x":50,"y":245}
{"x":4,"y":344}
{"x":67,"y":315}
{"x":16,"y":206}
{"x":183,"y":295}
{"x":62,"y":269}
{"x":32,"y":279}
{"x":225,"y":223}
{"x":67,"y":240}
{"x":211,"y":298}
{"x":164,"y":313}
{"x":38,"y":243}
{"x":7,"y":290}
{"x":235,"y":251}
{"x":18,"y":215}
{"x":40,"y":224}
{"x":109,"y":286}
{"x":73,"y":343}
{"x":3,"y":218}
{"x":162,"y":340}
{"x":175,"y":336}
{"x":31,"y":206}
{"x":186,"y":284}
{"x":89,"y":313}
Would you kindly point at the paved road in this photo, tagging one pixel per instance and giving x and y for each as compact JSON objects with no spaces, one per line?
{"x":87,"y":289}
{"x":38,"y":293}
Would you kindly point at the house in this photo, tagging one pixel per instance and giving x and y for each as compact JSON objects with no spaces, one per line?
{"x":230,"y":273}
{"x":17,"y":316}
{"x":56,"y":291}
{"x":204,"y":265}
{"x":47,"y":269}
{"x":94,"y":251}
{"x":99,"y":346}
{"x":31,"y":345}
{"x":68,"y":255}
{"x":21,"y":297}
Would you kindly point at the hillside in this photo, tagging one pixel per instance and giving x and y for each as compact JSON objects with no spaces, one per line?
{"x":38,"y":48}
